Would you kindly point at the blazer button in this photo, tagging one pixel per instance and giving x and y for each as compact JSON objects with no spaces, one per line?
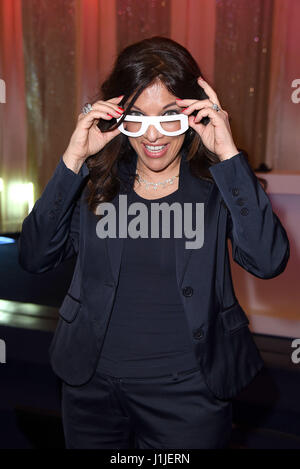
{"x":244,"y":211}
{"x":235,"y":191}
{"x":187,"y":291}
{"x":198,"y":333}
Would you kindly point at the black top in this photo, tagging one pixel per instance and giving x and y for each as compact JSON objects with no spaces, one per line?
{"x":148,"y":334}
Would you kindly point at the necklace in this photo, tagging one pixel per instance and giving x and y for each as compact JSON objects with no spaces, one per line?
{"x":156,"y":184}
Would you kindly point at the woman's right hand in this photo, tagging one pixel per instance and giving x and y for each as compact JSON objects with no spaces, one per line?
{"x":87,"y":139}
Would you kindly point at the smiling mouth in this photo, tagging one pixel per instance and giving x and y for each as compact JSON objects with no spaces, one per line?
{"x":155,"y":148}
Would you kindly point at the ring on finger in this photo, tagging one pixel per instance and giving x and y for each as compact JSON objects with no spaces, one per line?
{"x":87,"y":108}
{"x":216,"y":107}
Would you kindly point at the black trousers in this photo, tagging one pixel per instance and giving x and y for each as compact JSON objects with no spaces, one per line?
{"x":172,"y":412}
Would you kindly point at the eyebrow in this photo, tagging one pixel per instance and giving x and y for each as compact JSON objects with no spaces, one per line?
{"x":167,"y":105}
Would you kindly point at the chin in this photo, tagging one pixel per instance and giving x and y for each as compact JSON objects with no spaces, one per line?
{"x":165,"y":158}
{"x":157,"y":163}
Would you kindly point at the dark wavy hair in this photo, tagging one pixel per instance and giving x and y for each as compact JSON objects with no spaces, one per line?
{"x":136,"y":67}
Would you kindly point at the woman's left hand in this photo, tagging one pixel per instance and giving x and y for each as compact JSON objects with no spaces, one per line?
{"x":216,"y":135}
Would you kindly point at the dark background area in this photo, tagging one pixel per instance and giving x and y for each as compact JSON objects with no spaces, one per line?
{"x":16,"y":284}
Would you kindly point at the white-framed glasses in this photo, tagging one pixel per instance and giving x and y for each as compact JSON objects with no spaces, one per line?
{"x":135,"y":126}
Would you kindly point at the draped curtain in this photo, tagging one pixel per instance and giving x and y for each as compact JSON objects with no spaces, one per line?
{"x":54,"y":56}
{"x":242,"y":69}
{"x":49,"y":44}
{"x":282,"y":146}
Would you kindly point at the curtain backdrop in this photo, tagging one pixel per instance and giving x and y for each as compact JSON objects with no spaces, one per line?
{"x":242,"y":69}
{"x":13,"y":155}
{"x":193,"y":24}
{"x":283,"y":144}
{"x":49,"y":43}
{"x":54,"y":56}
{"x":96,"y":39}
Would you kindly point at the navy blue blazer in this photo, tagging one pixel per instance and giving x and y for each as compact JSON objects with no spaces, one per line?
{"x":235,"y":207}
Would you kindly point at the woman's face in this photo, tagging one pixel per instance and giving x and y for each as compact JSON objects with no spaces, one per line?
{"x":156,"y":100}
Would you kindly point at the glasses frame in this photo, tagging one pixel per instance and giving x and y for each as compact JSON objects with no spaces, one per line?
{"x":155,"y":120}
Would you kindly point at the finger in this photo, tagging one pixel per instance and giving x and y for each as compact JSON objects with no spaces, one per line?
{"x":199,"y":128}
{"x":95,"y":126}
{"x":108,"y":103}
{"x":113,"y":102}
{"x":198,"y":118}
{"x":116,"y":100}
{"x":111,"y":134}
{"x":214,"y":116}
{"x":209,"y":91}
{"x":199,"y":104}
{"x":87,"y":120}
{"x":109,"y":108}
{"x":185,"y":102}
{"x":84,"y":116}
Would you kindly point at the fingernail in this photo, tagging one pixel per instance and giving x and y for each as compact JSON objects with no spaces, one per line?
{"x":184,"y":109}
{"x":201,"y":79}
{"x":121,"y":109}
{"x":109,"y":115}
{"x":178,"y":99}
{"x":120,"y":95}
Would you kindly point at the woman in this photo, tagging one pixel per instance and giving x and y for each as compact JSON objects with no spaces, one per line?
{"x":151,"y":343}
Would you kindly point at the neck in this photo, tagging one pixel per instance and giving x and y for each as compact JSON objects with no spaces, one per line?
{"x":157,"y":176}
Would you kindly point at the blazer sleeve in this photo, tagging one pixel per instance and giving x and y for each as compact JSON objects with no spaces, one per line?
{"x":50,"y":233}
{"x":259,"y":241}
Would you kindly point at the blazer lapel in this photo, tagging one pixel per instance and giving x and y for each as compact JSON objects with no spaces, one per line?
{"x":191,"y":190}
{"x":114,"y":246}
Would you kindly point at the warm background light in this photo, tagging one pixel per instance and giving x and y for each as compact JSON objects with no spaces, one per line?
{"x":20,"y":194}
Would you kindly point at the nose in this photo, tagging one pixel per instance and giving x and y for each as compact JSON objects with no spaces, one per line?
{"x":152,"y":134}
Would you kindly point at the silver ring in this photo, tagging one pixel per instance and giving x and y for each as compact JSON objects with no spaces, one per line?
{"x":87,"y":108}
{"x":216,"y":107}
